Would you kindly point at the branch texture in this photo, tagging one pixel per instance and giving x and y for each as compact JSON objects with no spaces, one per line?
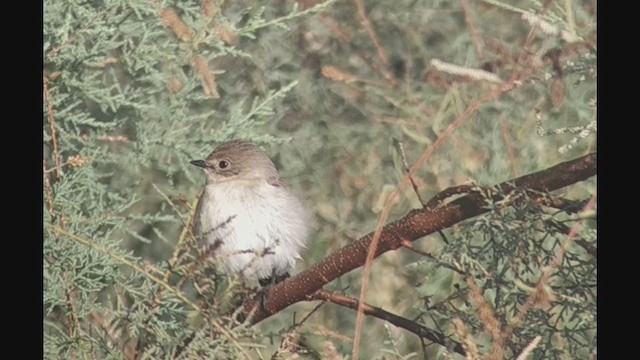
{"x":416,"y":224}
{"x":396,"y":320}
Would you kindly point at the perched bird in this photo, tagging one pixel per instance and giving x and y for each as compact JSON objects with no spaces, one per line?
{"x":249,"y":220}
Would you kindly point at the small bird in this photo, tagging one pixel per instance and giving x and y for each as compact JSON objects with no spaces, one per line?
{"x":247,"y":217}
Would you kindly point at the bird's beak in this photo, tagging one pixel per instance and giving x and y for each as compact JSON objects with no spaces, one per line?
{"x":199,"y":163}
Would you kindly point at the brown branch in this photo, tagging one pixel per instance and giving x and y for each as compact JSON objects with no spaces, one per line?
{"x":52,"y":124}
{"x":440,"y":197}
{"x":416,"y":224}
{"x":412,"y":326}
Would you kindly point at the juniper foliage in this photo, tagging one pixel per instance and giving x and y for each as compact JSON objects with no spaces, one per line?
{"x":134,"y":90}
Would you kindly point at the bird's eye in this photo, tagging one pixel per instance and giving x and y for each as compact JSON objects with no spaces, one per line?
{"x":223,"y":164}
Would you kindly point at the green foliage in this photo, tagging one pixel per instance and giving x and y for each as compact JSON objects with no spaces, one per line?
{"x":126,"y":97}
{"x":507,"y":252}
{"x":137,"y":89}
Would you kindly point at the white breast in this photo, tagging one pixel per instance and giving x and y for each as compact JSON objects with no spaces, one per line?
{"x":262,"y":229}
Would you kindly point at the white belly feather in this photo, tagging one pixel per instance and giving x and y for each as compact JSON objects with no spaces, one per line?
{"x":261,"y":229}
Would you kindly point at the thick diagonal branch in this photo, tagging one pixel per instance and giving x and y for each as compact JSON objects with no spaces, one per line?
{"x":416,"y":224}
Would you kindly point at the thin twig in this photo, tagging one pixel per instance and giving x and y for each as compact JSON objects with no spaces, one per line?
{"x":304,"y":319}
{"x":472,"y":29}
{"x":382,"y":54}
{"x":409,"y":246}
{"x":590,"y":249}
{"x":97,"y":321}
{"x":47,"y":187}
{"x":401,"y":322}
{"x":406,"y":168}
{"x":73,"y":322}
{"x":73,"y":161}
{"x":509,"y":145}
{"x":571,"y":20}
{"x":391,"y":199}
{"x":171,"y":204}
{"x":122,"y":260}
{"x":440,"y":197}
{"x":52,"y":124}
{"x":183,"y":244}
